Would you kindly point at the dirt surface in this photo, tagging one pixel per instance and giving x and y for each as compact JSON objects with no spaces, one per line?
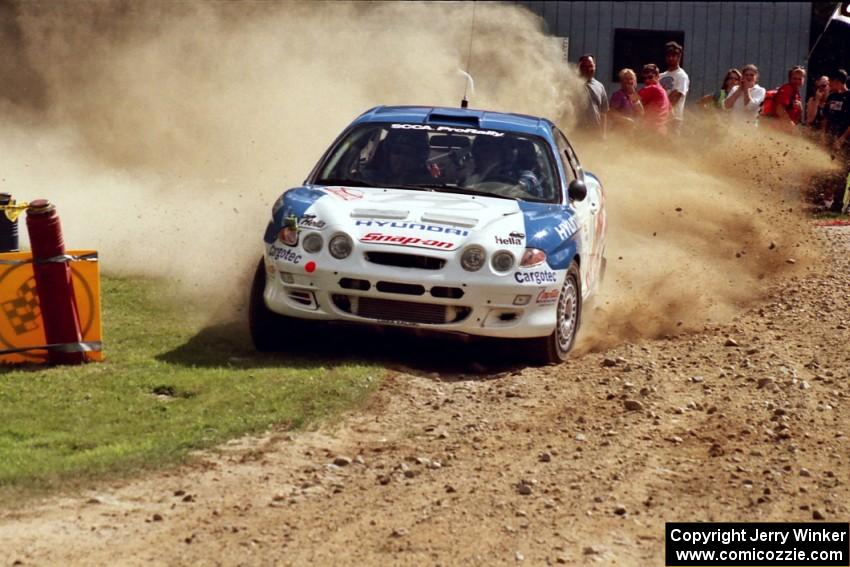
{"x":577,"y":463}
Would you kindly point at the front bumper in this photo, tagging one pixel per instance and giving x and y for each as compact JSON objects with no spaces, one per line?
{"x":359,"y":289}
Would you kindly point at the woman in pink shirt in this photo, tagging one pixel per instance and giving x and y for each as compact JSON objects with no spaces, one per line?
{"x":656,"y":105}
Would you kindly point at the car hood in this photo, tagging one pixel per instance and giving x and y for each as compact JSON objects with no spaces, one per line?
{"x":440,"y":220}
{"x":424,"y":219}
{"x":449,"y":209}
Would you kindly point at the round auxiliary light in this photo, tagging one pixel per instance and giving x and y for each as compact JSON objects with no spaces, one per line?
{"x":502,"y":261}
{"x":312,"y":243}
{"x":473,"y":258}
{"x":340,"y":246}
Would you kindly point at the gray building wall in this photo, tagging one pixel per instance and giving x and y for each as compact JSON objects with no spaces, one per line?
{"x":718,"y":35}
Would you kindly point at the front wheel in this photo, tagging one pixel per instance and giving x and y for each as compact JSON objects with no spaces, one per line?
{"x":267,"y":327}
{"x":556,"y":347}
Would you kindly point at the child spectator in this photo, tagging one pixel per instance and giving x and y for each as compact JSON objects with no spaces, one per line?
{"x":656,"y":105}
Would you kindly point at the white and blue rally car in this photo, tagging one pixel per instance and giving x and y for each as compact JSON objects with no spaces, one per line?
{"x":449,"y":219}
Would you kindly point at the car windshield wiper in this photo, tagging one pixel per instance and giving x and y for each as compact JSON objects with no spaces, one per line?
{"x":409,"y":186}
{"x":345,"y":182}
{"x":447,"y":188}
{"x":361,"y":183}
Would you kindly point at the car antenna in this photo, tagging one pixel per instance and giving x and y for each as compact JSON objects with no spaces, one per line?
{"x":465,"y":102}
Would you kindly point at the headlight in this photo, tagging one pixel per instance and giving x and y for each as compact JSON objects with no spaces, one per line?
{"x":502,"y":261}
{"x":312,"y":243}
{"x":473,"y":258}
{"x":340,"y":246}
{"x":532,"y":257}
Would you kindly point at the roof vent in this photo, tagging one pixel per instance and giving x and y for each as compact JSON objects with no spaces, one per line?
{"x":446,"y":116}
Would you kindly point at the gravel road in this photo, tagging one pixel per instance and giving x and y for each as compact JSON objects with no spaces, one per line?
{"x":570,"y":464}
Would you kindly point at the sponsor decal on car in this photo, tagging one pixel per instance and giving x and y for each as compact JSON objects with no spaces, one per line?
{"x":311,"y":222}
{"x":536,"y":277}
{"x":548,"y":296}
{"x":345,"y":193}
{"x":514,"y":239}
{"x":397,"y":322}
{"x":567,"y":228}
{"x":407,"y":241}
{"x":475,"y":131}
{"x":284,"y":254}
{"x":412,"y":226}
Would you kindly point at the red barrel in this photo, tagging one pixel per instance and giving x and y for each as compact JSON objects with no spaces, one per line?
{"x":53,"y":282}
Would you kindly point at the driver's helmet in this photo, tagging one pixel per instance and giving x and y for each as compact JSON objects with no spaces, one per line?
{"x":486,"y":149}
{"x":525,"y":168}
{"x":413,"y":144}
{"x":526,"y":155}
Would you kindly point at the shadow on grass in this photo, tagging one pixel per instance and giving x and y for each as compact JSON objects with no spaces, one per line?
{"x":454,"y":357}
{"x":30,"y":367}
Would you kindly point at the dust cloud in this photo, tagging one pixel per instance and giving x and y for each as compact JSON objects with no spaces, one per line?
{"x":700,"y":228}
{"x":164,"y":131}
{"x":169,"y":129}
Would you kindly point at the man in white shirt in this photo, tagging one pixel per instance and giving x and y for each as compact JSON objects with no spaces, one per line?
{"x":744,"y":101}
{"x":675,"y":81}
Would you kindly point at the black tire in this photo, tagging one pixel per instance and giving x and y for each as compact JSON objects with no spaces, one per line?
{"x":268,"y":329}
{"x":556,"y":347}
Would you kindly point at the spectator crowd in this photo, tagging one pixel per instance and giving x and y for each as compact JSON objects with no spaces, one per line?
{"x":658,"y":108}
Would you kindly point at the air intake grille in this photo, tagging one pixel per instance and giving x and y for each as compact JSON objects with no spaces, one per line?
{"x":405,"y":260}
{"x":395,"y":287}
{"x":407,"y":311}
{"x":447,"y":292}
{"x":351,"y":283}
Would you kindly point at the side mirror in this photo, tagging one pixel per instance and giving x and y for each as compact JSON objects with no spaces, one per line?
{"x":577,"y":190}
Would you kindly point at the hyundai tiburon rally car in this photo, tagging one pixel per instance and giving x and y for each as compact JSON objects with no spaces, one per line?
{"x":454,"y":220}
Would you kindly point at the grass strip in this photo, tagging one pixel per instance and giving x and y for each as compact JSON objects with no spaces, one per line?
{"x":169,"y":385}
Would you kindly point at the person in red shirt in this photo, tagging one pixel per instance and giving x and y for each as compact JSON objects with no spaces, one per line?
{"x":788,"y":104}
{"x":653,"y":97}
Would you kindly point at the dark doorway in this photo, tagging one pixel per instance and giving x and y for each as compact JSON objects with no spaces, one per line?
{"x":635,"y":48}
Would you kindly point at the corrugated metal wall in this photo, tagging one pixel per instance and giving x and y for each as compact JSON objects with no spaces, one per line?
{"x":718,"y":35}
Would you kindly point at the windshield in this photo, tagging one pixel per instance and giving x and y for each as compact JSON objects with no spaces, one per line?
{"x":443,"y":158}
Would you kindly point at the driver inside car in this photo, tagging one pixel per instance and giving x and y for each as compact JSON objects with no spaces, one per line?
{"x":403,"y":158}
{"x":525,"y":168}
{"x":491,"y":159}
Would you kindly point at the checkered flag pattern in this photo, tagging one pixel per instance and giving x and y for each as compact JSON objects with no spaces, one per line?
{"x":23,"y":312}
